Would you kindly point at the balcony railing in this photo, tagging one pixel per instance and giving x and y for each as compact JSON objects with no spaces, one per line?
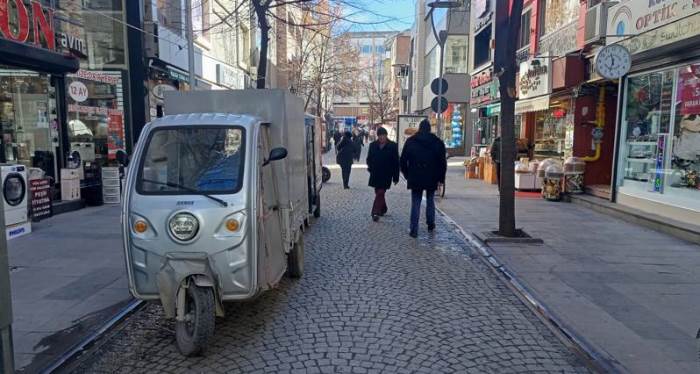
{"x":559,"y":42}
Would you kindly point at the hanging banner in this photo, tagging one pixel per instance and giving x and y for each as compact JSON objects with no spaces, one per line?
{"x":689,"y":89}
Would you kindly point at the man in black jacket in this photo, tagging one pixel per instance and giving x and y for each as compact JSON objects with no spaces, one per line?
{"x":424,"y":165}
{"x":344,"y":157}
{"x":383,"y":167}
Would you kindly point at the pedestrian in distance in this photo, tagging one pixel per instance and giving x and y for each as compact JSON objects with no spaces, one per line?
{"x":345,"y":156}
{"x":359,"y":143}
{"x":337,"y":137}
{"x":495,"y":153}
{"x":424,"y":165}
{"x":383,"y":166}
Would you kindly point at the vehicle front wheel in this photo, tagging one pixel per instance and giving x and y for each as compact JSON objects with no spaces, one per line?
{"x":193,"y":334}
{"x":295,"y":259}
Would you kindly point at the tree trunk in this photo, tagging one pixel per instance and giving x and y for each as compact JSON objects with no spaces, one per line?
{"x":260,"y":12}
{"x":507,"y":27}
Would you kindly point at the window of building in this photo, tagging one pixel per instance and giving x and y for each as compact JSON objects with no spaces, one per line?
{"x":200,"y":18}
{"x":170,"y":15}
{"x":482,"y":47}
{"x":524,"y":38}
{"x":557,"y":14}
{"x":456,"y":54}
{"x":366,"y":49}
{"x":431,"y":65}
{"x":379,"y":49}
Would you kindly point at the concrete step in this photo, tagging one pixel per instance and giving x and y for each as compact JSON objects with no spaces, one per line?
{"x":656,"y":222}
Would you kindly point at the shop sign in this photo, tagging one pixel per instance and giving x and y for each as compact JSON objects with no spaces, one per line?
{"x":534,"y":78}
{"x":229,"y":78}
{"x":16,"y":18}
{"x":638,"y":16}
{"x":40,"y":192}
{"x":72,"y":43}
{"x":484,"y":88}
{"x":78,"y":91}
{"x":493,"y":110}
{"x":177,"y":75}
{"x":160,"y":89}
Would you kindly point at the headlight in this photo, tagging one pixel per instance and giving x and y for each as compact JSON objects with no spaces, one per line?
{"x":184,"y":226}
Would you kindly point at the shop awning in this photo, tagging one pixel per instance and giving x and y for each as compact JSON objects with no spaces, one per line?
{"x":25,"y":56}
{"x":532,"y":105}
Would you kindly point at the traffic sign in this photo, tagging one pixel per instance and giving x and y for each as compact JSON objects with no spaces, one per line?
{"x":435,"y":86}
{"x":443,"y":105}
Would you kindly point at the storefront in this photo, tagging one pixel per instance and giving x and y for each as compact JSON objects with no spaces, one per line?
{"x":485,"y":110}
{"x":33,"y":65}
{"x":658,"y":152}
{"x":64,"y":91}
{"x":453,"y":127}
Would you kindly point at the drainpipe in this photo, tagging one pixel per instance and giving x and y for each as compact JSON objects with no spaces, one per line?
{"x":599,"y":123}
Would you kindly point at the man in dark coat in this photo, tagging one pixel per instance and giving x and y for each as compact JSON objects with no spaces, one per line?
{"x":424,"y":165}
{"x":357,"y":140}
{"x":495,"y":154}
{"x":383,"y":167}
{"x":337,"y":137}
{"x":345,"y":156}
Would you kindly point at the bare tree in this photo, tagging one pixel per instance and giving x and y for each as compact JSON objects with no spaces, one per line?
{"x":382,"y":104}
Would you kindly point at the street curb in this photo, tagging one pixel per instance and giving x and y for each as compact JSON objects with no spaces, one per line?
{"x":84,"y":345}
{"x":599,"y":361}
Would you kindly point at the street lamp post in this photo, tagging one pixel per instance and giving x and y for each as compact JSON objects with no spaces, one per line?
{"x":441,"y":38}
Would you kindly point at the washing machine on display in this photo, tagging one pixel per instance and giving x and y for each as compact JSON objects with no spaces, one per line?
{"x":15,"y":197}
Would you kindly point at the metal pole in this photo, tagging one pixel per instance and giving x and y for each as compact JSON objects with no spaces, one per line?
{"x":6,"y":350}
{"x":439,"y":116}
{"x":190,"y":42}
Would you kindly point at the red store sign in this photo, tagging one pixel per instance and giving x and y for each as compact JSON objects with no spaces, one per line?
{"x":689,"y":89}
{"x":41,"y":21}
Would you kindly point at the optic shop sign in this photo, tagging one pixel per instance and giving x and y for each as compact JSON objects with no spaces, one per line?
{"x":535,"y":78}
{"x":638,"y":16}
{"x":27,"y":23}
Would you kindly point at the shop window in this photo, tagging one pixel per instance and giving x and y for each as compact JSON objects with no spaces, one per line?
{"x":456,"y":54}
{"x":554,"y":132}
{"x":482,"y":47}
{"x":684,"y":174}
{"x":453,"y":122}
{"x":558,"y":13}
{"x":95,"y":116}
{"x":28,"y":120}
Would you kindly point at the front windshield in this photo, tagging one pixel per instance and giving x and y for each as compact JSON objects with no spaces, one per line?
{"x":194,"y":159}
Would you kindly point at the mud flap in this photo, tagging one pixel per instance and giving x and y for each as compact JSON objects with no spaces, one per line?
{"x":177,"y":267}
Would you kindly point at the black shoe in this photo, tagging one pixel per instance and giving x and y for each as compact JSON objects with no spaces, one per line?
{"x":384,"y":211}
{"x":431,"y":228}
{"x":413,"y":234}
{"x":346,"y":188}
{"x":375,"y":217}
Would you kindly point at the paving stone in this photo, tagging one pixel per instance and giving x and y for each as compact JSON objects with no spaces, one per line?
{"x":372,"y":299}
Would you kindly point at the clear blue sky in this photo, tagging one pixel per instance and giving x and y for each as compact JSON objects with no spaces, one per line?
{"x":381,"y":15}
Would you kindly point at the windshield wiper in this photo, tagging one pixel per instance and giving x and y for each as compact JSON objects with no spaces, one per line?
{"x":188,"y":189}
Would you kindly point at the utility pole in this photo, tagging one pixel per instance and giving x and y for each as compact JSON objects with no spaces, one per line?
{"x":190,"y":41}
{"x":507,"y":25}
{"x":6,"y":351}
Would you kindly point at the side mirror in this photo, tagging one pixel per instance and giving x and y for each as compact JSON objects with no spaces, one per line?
{"x":278,"y":153}
{"x":122,"y":158}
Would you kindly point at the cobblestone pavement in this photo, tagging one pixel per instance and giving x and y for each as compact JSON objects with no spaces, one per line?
{"x":372,"y":300}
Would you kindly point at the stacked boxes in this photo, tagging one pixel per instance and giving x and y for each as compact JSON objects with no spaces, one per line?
{"x":70,"y":184}
{"x":111,"y":185}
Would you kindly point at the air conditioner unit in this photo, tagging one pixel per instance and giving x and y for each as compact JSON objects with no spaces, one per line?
{"x":597,"y":22}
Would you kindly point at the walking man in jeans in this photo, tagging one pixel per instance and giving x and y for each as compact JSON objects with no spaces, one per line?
{"x":424,"y":165}
{"x":383,"y":167}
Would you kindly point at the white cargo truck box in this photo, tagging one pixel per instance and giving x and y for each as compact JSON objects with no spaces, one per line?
{"x":285,"y":113}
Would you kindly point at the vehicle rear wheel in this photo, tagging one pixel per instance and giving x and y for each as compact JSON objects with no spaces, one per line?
{"x":295,"y":259}
{"x":194,"y":332}
{"x":317,"y":209}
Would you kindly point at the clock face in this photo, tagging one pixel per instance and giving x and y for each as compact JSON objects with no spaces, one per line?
{"x":613,"y":61}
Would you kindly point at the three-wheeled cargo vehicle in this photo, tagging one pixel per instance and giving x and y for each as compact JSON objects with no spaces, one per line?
{"x":215,"y":203}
